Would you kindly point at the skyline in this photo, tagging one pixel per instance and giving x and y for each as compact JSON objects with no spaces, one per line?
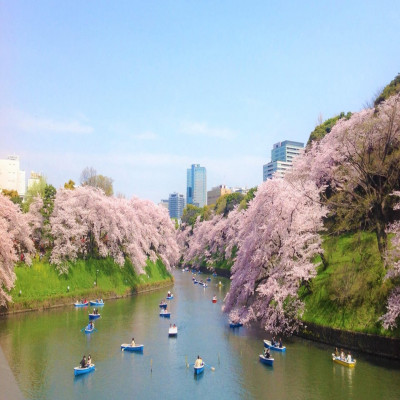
{"x":142,"y":91}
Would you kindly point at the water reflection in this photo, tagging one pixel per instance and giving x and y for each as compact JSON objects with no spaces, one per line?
{"x":43,"y":348}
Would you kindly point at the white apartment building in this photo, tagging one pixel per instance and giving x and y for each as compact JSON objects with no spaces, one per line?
{"x":11,"y":177}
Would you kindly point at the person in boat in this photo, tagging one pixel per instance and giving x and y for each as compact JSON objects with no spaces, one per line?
{"x":174,"y":326}
{"x":89,"y":361}
{"x":133,"y":344}
{"x":83,"y":362}
{"x":91,"y":325}
{"x":273,"y":342}
{"x":336,"y":352}
{"x":169,"y":294}
{"x":280,"y":343}
{"x":342,"y":356}
{"x":199,"y":362}
{"x":267,"y":354}
{"x":349,"y":359}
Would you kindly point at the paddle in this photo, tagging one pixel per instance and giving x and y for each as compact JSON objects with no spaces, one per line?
{"x":209,"y":366}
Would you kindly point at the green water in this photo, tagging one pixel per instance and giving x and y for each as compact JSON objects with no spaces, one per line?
{"x":42,"y":349}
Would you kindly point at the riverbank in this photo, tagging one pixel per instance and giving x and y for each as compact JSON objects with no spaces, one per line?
{"x":40,"y":287}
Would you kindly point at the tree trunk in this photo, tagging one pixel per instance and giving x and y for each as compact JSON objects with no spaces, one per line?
{"x":381,"y":237}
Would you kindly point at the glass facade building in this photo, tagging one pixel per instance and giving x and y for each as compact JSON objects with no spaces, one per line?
{"x":196,"y":188}
{"x":176,"y":204}
{"x":282,"y":156}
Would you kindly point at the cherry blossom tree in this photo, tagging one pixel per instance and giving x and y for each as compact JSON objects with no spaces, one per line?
{"x":359,"y":162}
{"x":278,"y":239}
{"x":15,"y":244}
{"x":87,"y":223}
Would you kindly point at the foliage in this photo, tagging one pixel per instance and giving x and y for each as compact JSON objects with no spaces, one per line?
{"x":359,"y":162}
{"x":37,"y":189}
{"x":321,"y":130}
{"x":89,"y":177}
{"x":226,"y":203}
{"x":13,"y":196}
{"x":192,"y":212}
{"x":15,"y":244}
{"x":42,"y":281}
{"x":88,"y":224}
{"x":277,"y":240}
{"x":350,"y":292}
{"x":391,"y":89}
{"x":69,"y":185}
{"x":247,"y":198}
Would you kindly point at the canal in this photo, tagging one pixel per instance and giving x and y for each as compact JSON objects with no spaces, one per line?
{"x":43,"y":347}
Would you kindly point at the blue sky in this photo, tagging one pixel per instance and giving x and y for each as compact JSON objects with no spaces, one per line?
{"x":140,"y":90}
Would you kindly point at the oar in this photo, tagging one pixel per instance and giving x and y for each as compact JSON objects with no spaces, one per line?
{"x":209,"y":366}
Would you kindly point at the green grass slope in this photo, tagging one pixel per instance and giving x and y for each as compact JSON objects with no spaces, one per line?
{"x":350,"y":291}
{"x":41,"y":284}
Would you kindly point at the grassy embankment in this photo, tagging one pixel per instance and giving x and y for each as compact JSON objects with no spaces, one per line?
{"x":42,"y":286}
{"x":350,"y":293}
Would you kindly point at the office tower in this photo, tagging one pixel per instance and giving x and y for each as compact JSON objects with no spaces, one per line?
{"x":196,"y":188}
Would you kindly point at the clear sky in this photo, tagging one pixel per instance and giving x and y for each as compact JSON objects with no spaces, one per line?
{"x":140,"y":90}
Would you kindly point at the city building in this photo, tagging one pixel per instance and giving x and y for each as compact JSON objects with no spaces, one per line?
{"x":196,"y":188}
{"x":11,"y":177}
{"x":176,"y":204}
{"x":216,"y":192}
{"x":164,"y":203}
{"x":242,"y":190}
{"x":282,"y":156}
{"x":34,"y":178}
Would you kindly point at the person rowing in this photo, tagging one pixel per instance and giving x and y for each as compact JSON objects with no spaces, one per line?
{"x":198,"y":363}
{"x":133,"y":344}
{"x":267,"y":354}
{"x":83,"y":362}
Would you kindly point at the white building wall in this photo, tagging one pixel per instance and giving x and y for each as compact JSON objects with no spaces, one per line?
{"x":11,"y":177}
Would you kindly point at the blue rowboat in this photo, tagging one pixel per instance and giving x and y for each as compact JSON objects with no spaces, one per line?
{"x":170,"y":297}
{"x":173,"y":331}
{"x":94,"y":316}
{"x":163,"y":305}
{"x":268,"y":344}
{"x":128,"y":347}
{"x":81,"y":371}
{"x":81,"y":304}
{"x":96,"y":303}
{"x":199,"y":370}
{"x":89,"y":330}
{"x":214,"y":274}
{"x":195,"y":282}
{"x":235,"y":324}
{"x":208,"y":279}
{"x":266,"y":361}
{"x":165,"y":314}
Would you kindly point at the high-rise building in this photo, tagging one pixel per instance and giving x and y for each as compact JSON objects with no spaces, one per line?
{"x":11,"y":177}
{"x":164,"y":203}
{"x":216,"y":192}
{"x":196,"y":188}
{"x":176,"y":204}
{"x":282,"y":156}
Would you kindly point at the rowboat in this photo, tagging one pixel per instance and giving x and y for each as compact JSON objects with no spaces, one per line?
{"x":80,"y":370}
{"x":81,"y":304}
{"x":214,"y":299}
{"x":170,"y":297}
{"x":163,"y":305}
{"x":338,"y":360}
{"x":173,"y":331}
{"x":214,"y":274}
{"x":88,"y":329}
{"x":235,"y":324}
{"x":94,"y":316}
{"x":195,"y":282}
{"x":208,"y":279}
{"x":96,"y":303}
{"x":267,"y":343}
{"x":165,"y":314}
{"x":199,"y":370}
{"x":204,"y":285}
{"x":129,"y":347}
{"x":266,"y":361}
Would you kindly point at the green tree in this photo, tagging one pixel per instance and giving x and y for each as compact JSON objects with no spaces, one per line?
{"x":37,"y":189}
{"x":249,"y":196}
{"x":13,"y":196}
{"x":89,"y":177}
{"x":226,"y":203}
